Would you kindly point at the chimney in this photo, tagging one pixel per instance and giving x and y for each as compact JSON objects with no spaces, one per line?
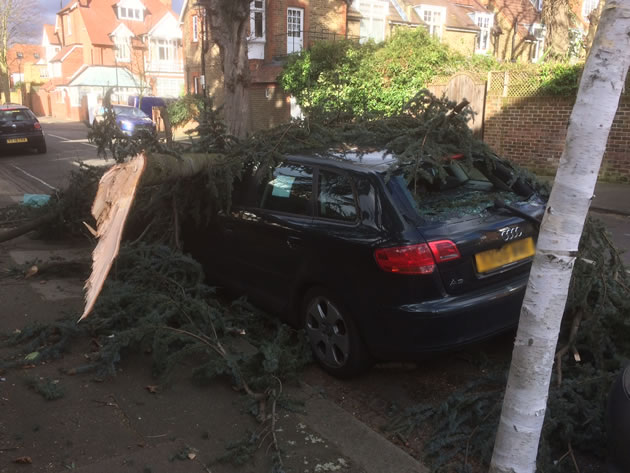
{"x":167,"y":3}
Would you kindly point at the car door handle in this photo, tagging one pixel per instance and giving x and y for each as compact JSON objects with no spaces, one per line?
{"x":294,"y":242}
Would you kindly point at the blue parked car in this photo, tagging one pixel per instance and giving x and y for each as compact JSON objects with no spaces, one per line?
{"x":131,"y":120}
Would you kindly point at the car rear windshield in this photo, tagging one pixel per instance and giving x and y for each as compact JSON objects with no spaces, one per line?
{"x":129,"y":112}
{"x":16,"y":115}
{"x":461,"y":192}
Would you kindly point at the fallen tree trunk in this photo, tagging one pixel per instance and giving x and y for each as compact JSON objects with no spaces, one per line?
{"x":114,"y":199}
{"x":27,"y":227}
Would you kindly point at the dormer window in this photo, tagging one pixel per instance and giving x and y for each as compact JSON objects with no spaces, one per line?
{"x":130,"y":10}
{"x":125,"y":13}
{"x":485,"y":22}
{"x":434,"y":17}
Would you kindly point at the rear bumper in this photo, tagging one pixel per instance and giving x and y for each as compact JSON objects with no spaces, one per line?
{"x":446,"y":323}
{"x":33,"y":140}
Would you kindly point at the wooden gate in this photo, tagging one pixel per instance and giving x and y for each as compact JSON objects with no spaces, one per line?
{"x":466,"y":86}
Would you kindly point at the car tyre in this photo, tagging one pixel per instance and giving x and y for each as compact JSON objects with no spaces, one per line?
{"x":333,"y":335}
{"x":41,"y":148}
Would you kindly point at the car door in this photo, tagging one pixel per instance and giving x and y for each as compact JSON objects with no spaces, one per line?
{"x":266,"y":234}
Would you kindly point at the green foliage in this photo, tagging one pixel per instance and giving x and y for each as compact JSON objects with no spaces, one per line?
{"x":184,"y":109}
{"x":559,"y":78}
{"x":48,"y":388}
{"x":347,"y":79}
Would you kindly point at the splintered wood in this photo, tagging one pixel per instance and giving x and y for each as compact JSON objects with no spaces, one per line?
{"x":114,"y":198}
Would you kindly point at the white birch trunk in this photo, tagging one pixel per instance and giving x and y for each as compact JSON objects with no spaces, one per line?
{"x":525,"y":401}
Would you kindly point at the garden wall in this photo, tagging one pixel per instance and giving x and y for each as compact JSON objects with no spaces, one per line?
{"x":531,"y":130}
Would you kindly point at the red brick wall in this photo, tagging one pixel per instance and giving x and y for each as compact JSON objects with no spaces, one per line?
{"x":532,"y":130}
{"x":269,"y":106}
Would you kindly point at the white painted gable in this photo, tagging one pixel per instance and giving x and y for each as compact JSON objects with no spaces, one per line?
{"x":122,"y":31}
{"x":167,"y":28}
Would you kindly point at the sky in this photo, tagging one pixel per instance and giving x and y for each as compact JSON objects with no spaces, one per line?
{"x":50,"y":7}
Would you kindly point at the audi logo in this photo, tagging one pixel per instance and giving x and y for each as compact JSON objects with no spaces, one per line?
{"x":510,"y":233}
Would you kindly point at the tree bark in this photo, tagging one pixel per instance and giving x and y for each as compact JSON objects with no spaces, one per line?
{"x":593,"y":21}
{"x":525,"y":401}
{"x":229,"y":24}
{"x":555,"y":16}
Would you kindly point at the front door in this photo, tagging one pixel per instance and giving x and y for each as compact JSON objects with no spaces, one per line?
{"x":295,"y":30}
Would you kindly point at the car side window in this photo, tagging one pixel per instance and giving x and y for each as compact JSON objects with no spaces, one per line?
{"x":335,"y":197}
{"x":289,"y":190}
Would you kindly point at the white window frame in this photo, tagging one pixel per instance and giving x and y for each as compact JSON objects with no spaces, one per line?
{"x":168,"y":46}
{"x":588,"y":6}
{"x":132,"y":10}
{"x":485,"y":21}
{"x":372,"y":11}
{"x":435,"y":28}
{"x":69,"y":22}
{"x":257,"y":7}
{"x":538,"y":30}
{"x":195,"y":28}
{"x":123,"y":48}
{"x":295,"y":45}
{"x":538,"y":4}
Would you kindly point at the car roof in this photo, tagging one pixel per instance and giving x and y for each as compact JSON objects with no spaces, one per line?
{"x":13,"y":106}
{"x":356,"y":160}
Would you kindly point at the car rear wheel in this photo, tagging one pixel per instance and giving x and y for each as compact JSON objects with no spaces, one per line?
{"x":333,"y":335}
{"x":41,"y":148}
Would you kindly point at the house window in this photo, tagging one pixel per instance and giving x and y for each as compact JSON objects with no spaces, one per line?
{"x":587,"y":7}
{"x":195,"y":28}
{"x":123,"y":50}
{"x":538,"y":45}
{"x":373,"y":13}
{"x":434,"y":18}
{"x":126,"y":13}
{"x":166,"y":50}
{"x":538,"y":4}
{"x":257,"y":19}
{"x":484,"y":21}
{"x":295,"y":27}
{"x":69,"y":25}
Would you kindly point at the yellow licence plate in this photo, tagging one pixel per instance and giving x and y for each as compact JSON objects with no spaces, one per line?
{"x":510,"y":253}
{"x":17,"y":140}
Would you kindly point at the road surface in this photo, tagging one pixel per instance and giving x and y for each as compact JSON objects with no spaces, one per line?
{"x":26,"y":172}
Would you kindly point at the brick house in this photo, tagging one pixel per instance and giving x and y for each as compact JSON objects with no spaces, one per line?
{"x":464,"y":25}
{"x":26,"y":64}
{"x":277,"y":29}
{"x":133,"y":46}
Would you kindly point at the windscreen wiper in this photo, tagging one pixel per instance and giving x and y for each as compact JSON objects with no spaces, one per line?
{"x":500,"y":204}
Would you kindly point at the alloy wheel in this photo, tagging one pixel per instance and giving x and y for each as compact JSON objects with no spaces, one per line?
{"x":328,"y":332}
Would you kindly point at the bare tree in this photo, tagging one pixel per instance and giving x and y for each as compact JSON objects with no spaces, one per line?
{"x":525,"y":401}
{"x":18,"y":23}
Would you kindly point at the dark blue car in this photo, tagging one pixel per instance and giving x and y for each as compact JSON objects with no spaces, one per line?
{"x":340,"y":247}
{"x":130,"y":120}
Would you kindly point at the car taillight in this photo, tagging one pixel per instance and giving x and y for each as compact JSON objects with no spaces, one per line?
{"x":444,"y":250}
{"x":412,"y":259}
{"x":37,"y":126}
